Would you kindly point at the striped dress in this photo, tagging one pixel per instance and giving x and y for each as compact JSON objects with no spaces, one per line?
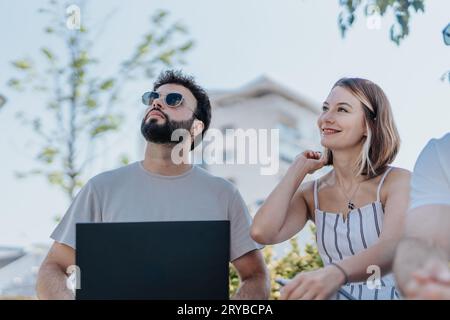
{"x":338,"y":239}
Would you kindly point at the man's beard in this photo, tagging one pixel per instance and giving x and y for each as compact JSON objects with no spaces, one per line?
{"x":162,"y":133}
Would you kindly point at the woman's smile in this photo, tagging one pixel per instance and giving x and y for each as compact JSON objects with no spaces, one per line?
{"x":329,"y":131}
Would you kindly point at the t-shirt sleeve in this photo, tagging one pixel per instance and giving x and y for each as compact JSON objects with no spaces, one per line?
{"x":240,"y":222}
{"x":84,"y":208}
{"x":430,"y":182}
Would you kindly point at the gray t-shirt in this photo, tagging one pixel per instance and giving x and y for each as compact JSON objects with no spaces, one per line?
{"x":133,"y":194}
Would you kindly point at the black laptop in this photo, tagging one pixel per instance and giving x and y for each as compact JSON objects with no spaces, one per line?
{"x":185,"y":260}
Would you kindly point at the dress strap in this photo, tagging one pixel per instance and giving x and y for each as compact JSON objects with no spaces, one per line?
{"x":316,"y":199}
{"x":381,"y":183}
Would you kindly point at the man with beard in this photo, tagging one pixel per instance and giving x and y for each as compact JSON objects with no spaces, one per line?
{"x":161,"y":189}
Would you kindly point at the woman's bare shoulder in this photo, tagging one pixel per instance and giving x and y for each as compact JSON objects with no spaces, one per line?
{"x":398,"y":175}
{"x":307,"y":189}
{"x":398,"y":179}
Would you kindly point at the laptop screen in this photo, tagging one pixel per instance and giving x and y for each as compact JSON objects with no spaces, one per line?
{"x":153,"y":260}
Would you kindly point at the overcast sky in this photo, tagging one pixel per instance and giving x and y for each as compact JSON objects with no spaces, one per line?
{"x":296,"y":43}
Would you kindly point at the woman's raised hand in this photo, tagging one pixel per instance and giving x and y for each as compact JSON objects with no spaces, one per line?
{"x":308,"y":161}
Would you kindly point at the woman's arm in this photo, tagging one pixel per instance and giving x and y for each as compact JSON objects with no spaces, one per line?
{"x":285,"y":212}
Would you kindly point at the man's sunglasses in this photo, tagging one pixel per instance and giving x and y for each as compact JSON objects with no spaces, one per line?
{"x":173,"y":99}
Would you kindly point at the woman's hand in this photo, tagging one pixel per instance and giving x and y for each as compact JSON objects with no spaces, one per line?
{"x":308,"y":161}
{"x":314,"y":285}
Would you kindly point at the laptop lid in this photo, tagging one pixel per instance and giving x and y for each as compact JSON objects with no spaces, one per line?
{"x":153,"y":260}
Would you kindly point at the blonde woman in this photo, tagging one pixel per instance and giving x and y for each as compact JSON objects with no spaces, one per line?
{"x":358,"y":207}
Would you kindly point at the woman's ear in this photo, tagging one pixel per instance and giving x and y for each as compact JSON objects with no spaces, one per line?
{"x":366,"y":129}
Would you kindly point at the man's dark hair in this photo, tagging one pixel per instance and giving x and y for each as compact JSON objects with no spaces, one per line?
{"x":203,"y":110}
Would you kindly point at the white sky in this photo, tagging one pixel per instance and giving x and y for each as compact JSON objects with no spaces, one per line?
{"x":297,"y":43}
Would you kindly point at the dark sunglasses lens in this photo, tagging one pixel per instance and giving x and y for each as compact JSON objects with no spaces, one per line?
{"x":145,"y":98}
{"x":148,"y":97}
{"x":174,"y":99}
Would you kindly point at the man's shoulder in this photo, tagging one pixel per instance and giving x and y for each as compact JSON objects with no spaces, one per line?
{"x":111,"y":176}
{"x":435,"y":153}
{"x":213,"y":180}
{"x":438,"y":144}
{"x":443,"y":143}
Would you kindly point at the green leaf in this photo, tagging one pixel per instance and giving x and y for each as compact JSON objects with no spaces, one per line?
{"x":107,"y":84}
{"x":79,"y":183}
{"x":55,"y":177}
{"x":401,"y":9}
{"x":180,"y":28}
{"x":48,"y":54}
{"x":188,"y":45}
{"x":102,"y":128}
{"x":159,"y":17}
{"x":161,"y":40}
{"x":91,"y":103}
{"x":53,"y":105}
{"x":124,"y":160}
{"x":2,"y":101}
{"x":382,"y":5}
{"x":14,"y":83}
{"x":166,"y":57}
{"x":22,"y":64}
{"x":143,"y":48}
{"x":149,"y":38}
{"x":418,"y":5}
{"x":106,"y":123}
{"x":81,"y":60}
{"x":47,"y":154}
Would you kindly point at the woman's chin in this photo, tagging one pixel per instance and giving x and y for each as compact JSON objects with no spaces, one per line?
{"x":326,"y":143}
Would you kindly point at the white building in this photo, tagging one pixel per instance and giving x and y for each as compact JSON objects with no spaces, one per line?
{"x":263,"y":104}
{"x":9,"y":254}
{"x":18,"y":278}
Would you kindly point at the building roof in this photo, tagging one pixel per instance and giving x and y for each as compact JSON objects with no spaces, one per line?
{"x":18,"y":278}
{"x":9,"y":254}
{"x":261,"y":86}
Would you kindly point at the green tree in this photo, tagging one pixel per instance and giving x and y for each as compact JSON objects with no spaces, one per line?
{"x":401,"y":9}
{"x":82,"y":104}
{"x":286,"y":267}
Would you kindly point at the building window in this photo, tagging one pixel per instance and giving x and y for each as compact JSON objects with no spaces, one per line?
{"x":290,"y":137}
